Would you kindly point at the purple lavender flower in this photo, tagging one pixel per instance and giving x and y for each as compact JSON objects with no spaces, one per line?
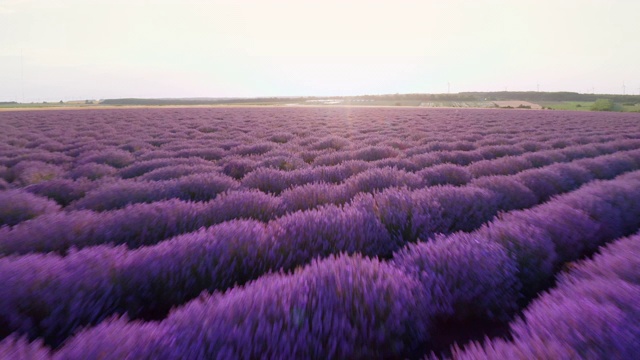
{"x":21,"y":349}
{"x":17,"y":206}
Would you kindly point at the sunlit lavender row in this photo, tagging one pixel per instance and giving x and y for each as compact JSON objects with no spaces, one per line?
{"x":313,"y":233}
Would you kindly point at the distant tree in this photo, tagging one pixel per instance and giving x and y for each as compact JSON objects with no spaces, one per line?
{"x":602,"y":105}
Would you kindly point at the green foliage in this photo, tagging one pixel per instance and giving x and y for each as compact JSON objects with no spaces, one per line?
{"x":602,"y":105}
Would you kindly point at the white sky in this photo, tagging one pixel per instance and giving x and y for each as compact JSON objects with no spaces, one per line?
{"x":81,"y":49}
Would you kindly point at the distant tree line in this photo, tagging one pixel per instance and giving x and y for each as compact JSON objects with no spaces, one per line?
{"x":159,"y":102}
{"x":532,"y":96}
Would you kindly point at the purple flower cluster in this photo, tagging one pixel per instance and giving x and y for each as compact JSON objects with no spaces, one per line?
{"x":196,"y":187}
{"x":142,"y":167}
{"x":64,"y":191}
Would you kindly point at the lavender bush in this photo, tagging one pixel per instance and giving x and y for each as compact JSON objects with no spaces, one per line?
{"x":18,"y":205}
{"x":593,"y":313}
{"x":332,"y":308}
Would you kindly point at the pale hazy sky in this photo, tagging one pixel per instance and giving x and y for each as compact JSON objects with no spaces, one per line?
{"x":80,"y":49}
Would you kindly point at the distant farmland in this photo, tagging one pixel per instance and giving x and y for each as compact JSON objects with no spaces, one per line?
{"x":480,"y":100}
{"x":319,"y":232}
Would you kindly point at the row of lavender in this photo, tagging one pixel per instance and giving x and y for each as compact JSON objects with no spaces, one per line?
{"x":300,"y":189}
{"x":593,"y":313}
{"x":354,"y":307}
{"x":147,"y":282}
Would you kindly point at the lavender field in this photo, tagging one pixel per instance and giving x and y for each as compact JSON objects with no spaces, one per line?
{"x":319,"y":233}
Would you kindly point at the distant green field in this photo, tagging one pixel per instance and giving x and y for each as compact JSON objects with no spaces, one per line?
{"x":568,"y":105}
{"x":586,"y":106}
{"x":631,"y":108}
{"x":459,"y":104}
